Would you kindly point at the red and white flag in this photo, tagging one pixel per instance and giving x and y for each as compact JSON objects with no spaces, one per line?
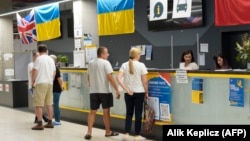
{"x":27,"y":28}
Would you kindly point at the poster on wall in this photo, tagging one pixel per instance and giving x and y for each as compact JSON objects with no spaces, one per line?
{"x":159,"y":89}
{"x":1,"y":87}
{"x":78,"y":44}
{"x":182,"y":8}
{"x":158,"y":10}
{"x":7,"y":87}
{"x":79,"y":59}
{"x":90,"y":53}
{"x":236,"y":92}
{"x":142,"y":48}
{"x":149,"y":52}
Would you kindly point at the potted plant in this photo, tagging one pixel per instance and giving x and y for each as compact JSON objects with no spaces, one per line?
{"x":63,"y":59}
{"x":243,"y":50}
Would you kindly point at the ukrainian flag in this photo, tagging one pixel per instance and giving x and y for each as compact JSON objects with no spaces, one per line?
{"x":115,"y":17}
{"x":47,"y":22}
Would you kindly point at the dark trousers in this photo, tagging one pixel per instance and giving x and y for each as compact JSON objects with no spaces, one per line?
{"x":134,"y":104}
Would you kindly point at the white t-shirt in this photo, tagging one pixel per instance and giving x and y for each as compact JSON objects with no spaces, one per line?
{"x":29,"y":68}
{"x":134,"y":81}
{"x":46,"y":68}
{"x":97,"y":71}
{"x":190,"y":66}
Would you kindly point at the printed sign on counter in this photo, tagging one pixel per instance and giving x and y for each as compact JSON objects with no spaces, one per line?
{"x":159,"y":89}
{"x":1,"y":87}
{"x":181,"y":76}
{"x":236,"y":89}
{"x":197,"y":90}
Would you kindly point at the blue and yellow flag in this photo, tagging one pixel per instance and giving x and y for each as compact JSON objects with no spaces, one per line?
{"x":47,"y":22}
{"x":115,"y":17}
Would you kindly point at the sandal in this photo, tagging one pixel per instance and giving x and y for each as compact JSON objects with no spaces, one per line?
{"x":87,"y":137}
{"x":112,"y":134}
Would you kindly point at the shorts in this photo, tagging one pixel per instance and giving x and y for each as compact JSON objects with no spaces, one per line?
{"x":106,"y":99}
{"x":43,"y":95}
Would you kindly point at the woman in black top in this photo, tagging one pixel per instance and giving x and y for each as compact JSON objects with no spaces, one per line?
{"x":57,"y":89}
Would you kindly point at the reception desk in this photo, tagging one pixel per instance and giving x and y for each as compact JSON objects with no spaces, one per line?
{"x":215,"y":109}
{"x":14,"y":93}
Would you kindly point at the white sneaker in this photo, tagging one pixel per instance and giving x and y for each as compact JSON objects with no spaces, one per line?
{"x":139,"y":138}
{"x":125,"y":137}
{"x":56,"y":123}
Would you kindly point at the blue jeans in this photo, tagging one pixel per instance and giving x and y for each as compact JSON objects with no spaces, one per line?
{"x":134,"y":105}
{"x":56,"y":98}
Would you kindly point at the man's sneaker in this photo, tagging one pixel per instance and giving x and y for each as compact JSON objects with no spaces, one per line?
{"x":37,"y":127}
{"x":139,"y":138}
{"x":48,"y":125}
{"x":56,"y":123}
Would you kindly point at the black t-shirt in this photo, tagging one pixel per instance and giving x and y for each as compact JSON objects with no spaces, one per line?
{"x":56,"y":86}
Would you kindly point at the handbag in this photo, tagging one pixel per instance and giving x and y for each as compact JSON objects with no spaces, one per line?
{"x":149,"y":118}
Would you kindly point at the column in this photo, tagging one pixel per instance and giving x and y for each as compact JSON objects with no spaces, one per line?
{"x":85,"y":21}
{"x":85,"y":15}
{"x":6,"y":40}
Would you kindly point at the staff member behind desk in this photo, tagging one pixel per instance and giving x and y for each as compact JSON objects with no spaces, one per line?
{"x":220,"y":62}
{"x":188,"y":61}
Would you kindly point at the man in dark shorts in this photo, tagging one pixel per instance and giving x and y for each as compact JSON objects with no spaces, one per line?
{"x":100,"y":78}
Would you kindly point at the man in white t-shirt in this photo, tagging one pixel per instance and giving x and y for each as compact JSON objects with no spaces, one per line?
{"x":43,"y":74}
{"x":100,"y":79}
{"x":35,"y":54}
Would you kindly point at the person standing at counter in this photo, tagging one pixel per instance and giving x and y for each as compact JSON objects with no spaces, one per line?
{"x":220,"y":62}
{"x":100,"y":78}
{"x":188,"y":61}
{"x":57,"y":89}
{"x":35,"y":54}
{"x":135,"y":86}
{"x":43,"y":74}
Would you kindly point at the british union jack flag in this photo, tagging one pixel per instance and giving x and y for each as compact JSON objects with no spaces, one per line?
{"x":27,"y":28}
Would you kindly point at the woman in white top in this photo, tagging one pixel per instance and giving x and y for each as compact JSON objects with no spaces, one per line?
{"x":135,"y":86}
{"x":187,"y":61}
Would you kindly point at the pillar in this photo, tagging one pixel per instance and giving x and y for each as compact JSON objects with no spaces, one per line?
{"x":85,"y":17}
{"x":85,"y":21}
{"x":6,"y":41}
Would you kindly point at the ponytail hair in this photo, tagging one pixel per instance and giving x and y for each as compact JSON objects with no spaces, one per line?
{"x":131,"y":66}
{"x":134,"y":52}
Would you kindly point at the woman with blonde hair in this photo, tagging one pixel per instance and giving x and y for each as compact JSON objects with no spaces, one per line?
{"x":135,"y":87}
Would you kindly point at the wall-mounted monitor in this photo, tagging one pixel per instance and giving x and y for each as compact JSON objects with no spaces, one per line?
{"x":196,"y":19}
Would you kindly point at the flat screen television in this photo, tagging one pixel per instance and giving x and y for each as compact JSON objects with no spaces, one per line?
{"x":195,"y":20}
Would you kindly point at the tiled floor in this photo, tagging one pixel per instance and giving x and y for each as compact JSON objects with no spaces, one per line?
{"x":15,"y":125}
